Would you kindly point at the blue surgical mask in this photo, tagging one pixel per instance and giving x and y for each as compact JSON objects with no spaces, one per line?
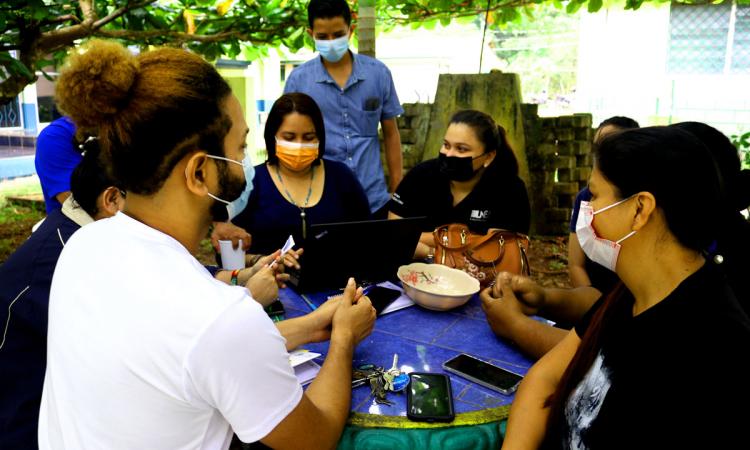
{"x":236,"y":206}
{"x":333,"y":50}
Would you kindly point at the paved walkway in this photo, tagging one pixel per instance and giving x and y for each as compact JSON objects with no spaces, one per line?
{"x":16,"y":162}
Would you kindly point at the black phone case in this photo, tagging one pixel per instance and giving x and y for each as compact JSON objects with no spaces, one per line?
{"x":451,"y":414}
{"x":381,"y":297}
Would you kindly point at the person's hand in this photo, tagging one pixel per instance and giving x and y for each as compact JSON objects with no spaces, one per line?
{"x":526,"y":291}
{"x":320,"y":320}
{"x":291,"y":258}
{"x":354,"y":317}
{"x":501,"y":310}
{"x":263,"y":287}
{"x":227,"y":231}
{"x":268,"y":261}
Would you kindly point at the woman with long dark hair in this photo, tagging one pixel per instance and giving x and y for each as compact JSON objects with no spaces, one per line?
{"x":647,"y":359}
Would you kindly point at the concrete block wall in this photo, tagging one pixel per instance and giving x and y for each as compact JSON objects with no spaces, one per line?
{"x":413,"y":126}
{"x":559,"y":152}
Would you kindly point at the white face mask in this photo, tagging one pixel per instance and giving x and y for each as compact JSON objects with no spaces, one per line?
{"x":602,"y":251}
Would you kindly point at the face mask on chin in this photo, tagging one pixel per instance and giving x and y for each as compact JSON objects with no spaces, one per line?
{"x":232,"y":188}
{"x":599,"y":250}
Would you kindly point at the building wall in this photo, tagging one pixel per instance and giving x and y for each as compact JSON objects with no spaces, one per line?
{"x":623,"y":70}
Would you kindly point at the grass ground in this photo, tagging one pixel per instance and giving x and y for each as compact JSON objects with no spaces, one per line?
{"x":17,"y":217}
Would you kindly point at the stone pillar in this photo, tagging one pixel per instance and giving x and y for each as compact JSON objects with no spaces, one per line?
{"x":366,"y":24}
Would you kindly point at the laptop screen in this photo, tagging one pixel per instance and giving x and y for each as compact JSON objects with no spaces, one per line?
{"x":369,"y":251}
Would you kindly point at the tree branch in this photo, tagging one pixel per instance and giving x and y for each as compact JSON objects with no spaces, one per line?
{"x":87,"y":8}
{"x":119,"y":12}
{"x":178,"y":37}
{"x":64,"y":18}
{"x":459,"y":12}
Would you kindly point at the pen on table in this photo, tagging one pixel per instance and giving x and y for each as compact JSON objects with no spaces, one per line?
{"x":309,"y":303}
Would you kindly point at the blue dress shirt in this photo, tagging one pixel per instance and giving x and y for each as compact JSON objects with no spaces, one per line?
{"x":352,"y":115}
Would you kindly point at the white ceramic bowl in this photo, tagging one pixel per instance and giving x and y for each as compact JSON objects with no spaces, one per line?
{"x":437,"y":287}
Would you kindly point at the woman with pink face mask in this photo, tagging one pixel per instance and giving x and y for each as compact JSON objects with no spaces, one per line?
{"x":633,"y":371}
{"x":296,"y":187}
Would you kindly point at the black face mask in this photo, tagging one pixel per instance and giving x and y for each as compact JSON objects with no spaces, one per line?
{"x":457,"y":168}
{"x":229,"y":188}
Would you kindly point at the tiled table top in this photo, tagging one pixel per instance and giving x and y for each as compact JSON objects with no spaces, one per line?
{"x":423,"y":340}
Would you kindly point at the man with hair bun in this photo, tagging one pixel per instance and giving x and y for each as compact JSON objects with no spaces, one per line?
{"x":146,"y":349}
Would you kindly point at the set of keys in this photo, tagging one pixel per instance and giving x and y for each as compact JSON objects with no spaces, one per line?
{"x":381,"y":381}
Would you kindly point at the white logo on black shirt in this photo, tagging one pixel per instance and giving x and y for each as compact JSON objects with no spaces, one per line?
{"x":477,"y":214}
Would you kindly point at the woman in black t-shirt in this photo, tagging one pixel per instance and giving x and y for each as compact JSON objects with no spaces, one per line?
{"x":638,"y":370}
{"x":473,"y":181}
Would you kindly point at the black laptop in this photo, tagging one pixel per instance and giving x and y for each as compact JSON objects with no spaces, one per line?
{"x":370,"y":251}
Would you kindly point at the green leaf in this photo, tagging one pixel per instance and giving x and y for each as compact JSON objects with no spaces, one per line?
{"x":573,"y":7}
{"x":15,"y":66}
{"x":595,"y":5}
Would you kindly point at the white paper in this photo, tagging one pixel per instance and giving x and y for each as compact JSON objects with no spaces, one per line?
{"x":300,"y":356}
{"x":306,"y":372}
{"x":305,"y":369}
{"x":287,"y":245}
{"x":231,"y":258}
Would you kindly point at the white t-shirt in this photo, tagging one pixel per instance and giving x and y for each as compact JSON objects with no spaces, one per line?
{"x":147,"y":351}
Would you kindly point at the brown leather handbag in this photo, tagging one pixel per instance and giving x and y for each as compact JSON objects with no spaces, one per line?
{"x":481,"y":256}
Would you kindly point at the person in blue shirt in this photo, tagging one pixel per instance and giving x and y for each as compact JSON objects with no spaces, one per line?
{"x":355,"y":93}
{"x":296,"y":187}
{"x":56,"y":157}
{"x":25,"y":280}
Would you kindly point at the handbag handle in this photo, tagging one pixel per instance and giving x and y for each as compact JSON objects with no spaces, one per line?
{"x":504,"y":235}
{"x":442,"y":232}
{"x":487,"y":239}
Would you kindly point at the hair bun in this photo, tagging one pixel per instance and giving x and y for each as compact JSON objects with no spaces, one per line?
{"x":95,"y":82}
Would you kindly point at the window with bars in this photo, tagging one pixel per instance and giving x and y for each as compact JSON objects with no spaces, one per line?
{"x":709,"y":38}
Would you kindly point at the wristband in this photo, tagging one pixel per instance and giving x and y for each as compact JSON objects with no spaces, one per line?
{"x":235,"y":273}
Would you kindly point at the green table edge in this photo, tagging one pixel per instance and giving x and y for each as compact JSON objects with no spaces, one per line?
{"x":484,"y":416}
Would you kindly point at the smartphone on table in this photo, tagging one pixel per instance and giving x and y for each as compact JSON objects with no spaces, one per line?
{"x":484,"y":373}
{"x":429,"y":397}
{"x":381,"y":297}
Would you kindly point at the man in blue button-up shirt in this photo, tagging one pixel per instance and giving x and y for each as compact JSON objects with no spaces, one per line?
{"x":355,"y":93}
